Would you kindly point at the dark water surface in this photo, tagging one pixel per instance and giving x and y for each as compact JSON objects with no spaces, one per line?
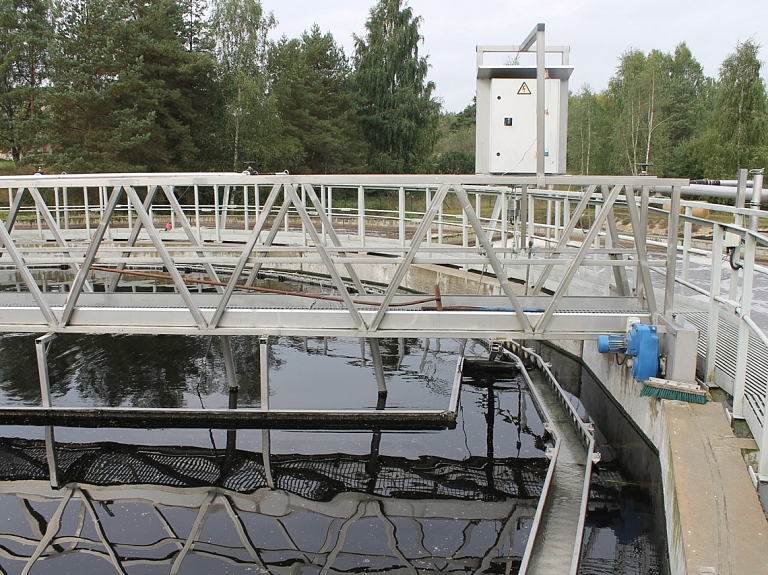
{"x":249,"y":501}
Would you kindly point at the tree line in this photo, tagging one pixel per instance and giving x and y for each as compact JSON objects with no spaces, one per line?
{"x":197,"y":85}
{"x":660,"y":109}
{"x":168,"y":85}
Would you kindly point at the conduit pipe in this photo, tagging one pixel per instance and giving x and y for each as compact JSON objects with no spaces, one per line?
{"x":710,"y":191}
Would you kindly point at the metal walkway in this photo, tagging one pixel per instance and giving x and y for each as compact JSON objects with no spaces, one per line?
{"x":294,"y":224}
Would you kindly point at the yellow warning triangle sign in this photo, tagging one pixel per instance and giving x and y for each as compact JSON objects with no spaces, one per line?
{"x":524,"y":90}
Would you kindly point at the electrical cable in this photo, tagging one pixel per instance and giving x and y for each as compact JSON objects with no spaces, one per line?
{"x":735,"y":266}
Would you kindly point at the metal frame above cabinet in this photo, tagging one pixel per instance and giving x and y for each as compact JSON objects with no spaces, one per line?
{"x":522,"y":110}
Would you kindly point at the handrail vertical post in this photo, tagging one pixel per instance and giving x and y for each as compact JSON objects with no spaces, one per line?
{"x":739,"y":380}
{"x":674,"y":220}
{"x":713,"y":324}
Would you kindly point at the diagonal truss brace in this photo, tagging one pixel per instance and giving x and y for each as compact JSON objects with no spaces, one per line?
{"x":619,"y":272}
{"x":565,"y":237}
{"x":642,"y":254}
{"x":290,"y":190}
{"x":26,"y":276}
{"x":54,"y":229}
{"x":90,"y":256}
{"x":247,"y":249}
{"x":498,"y":268}
{"x":418,"y":237}
{"x":53,"y":528}
{"x":576,"y":263}
{"x":332,"y":233}
{"x":165,"y":257}
{"x":191,"y":237}
{"x":132,"y":238}
{"x":254,"y":274}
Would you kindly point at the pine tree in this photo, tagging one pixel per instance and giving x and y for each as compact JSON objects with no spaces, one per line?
{"x":126,"y":94}
{"x":738,"y":133}
{"x":399,"y":115}
{"x":25,"y":33}
{"x":319,"y":127}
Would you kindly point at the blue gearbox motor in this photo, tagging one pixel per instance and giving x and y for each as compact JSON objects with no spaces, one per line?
{"x":641,"y":343}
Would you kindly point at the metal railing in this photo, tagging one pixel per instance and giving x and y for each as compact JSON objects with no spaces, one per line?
{"x":514,"y":257}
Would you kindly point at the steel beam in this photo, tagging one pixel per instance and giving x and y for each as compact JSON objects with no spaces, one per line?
{"x":26,"y":276}
{"x":168,"y":262}
{"x":329,"y":264}
{"x":498,"y":269}
{"x":565,"y":237}
{"x":132,"y":237}
{"x":574,"y":267}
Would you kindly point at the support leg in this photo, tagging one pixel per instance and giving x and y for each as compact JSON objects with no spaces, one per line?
{"x":42,"y":367}
{"x":378,"y":366}
{"x":264,"y":364}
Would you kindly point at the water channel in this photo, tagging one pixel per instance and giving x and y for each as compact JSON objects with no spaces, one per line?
{"x":457,"y":500}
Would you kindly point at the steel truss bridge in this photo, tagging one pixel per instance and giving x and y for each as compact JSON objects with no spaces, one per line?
{"x":295,"y":224}
{"x":521,"y":258}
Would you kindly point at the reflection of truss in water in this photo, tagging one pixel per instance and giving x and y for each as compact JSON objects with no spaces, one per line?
{"x":372,"y":513}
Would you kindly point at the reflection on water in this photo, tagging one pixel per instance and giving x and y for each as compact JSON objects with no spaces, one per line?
{"x":200,"y":501}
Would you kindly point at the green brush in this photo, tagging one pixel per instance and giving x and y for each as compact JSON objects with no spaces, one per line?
{"x":664,"y":389}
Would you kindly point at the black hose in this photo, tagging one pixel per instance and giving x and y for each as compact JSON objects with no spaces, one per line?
{"x":735,"y":266}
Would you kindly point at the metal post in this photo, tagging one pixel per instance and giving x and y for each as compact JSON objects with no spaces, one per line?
{"x":427,"y":207}
{"x":57,"y":206}
{"x":738,"y":220}
{"x":504,"y":219}
{"x":401,"y":215}
{"x":197,"y":212}
{"x":225,"y":207}
{"x":687,"y":231}
{"x":540,"y":100}
{"x":714,"y":291}
{"x":86,"y":212}
{"x":549,"y":220}
{"x":674,"y":219}
{"x":229,"y":363}
{"x":264,"y":371}
{"x":740,"y":376}
{"x":39,"y":223}
{"x":757,"y":198}
{"x":245,"y":208}
{"x":361,"y":214}
{"x":266,"y":453}
{"x":378,"y":366}
{"x":329,"y":205}
{"x":531,"y":220}
{"x":65,"y":197}
{"x":523,"y":217}
{"x":42,"y":367}
{"x":464,"y":234}
{"x":439,"y":225}
{"x":217,"y":223}
{"x":173,"y":215}
{"x":479,"y":212}
{"x":50,"y":455}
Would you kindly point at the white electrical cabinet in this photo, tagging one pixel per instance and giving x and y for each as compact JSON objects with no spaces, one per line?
{"x":507,"y":108}
{"x":513,"y":126}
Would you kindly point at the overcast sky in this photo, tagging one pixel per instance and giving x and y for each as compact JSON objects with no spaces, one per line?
{"x":598,"y":31}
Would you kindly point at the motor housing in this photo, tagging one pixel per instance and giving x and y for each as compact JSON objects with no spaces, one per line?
{"x":641,"y":343}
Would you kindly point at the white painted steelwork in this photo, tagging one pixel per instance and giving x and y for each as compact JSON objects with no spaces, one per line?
{"x":579,"y":256}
